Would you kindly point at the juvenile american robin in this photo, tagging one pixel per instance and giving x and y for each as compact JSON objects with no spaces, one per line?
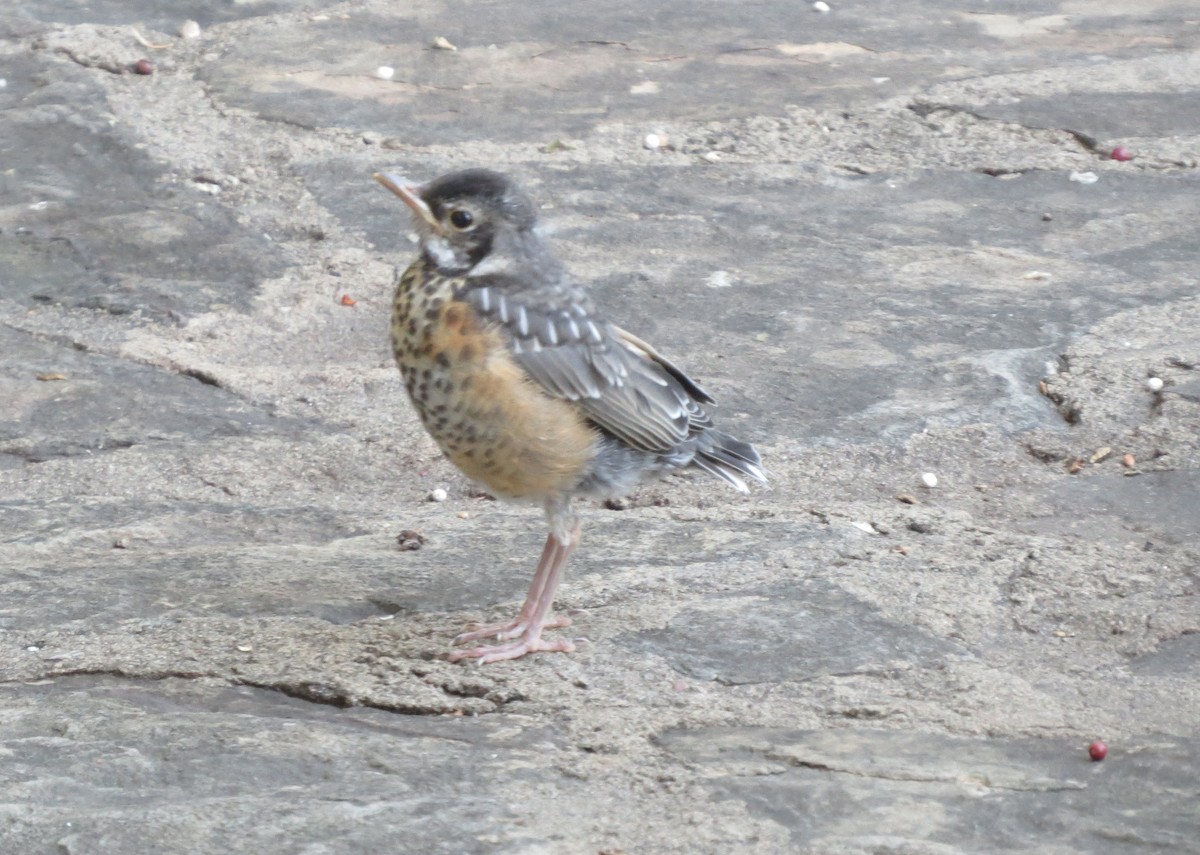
{"x":527,"y":388}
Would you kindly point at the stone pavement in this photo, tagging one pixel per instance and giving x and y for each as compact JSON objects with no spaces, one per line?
{"x":889,"y":238}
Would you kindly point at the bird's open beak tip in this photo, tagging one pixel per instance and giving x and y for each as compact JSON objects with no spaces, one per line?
{"x":410,"y":193}
{"x":398,"y":184}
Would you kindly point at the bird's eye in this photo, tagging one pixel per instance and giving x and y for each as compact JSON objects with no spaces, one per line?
{"x":461,"y":219}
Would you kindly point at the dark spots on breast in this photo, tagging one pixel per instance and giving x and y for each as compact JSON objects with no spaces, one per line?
{"x":469,"y":352}
{"x":442,"y":359}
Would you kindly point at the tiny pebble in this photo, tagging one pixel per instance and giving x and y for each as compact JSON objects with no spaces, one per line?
{"x":1121,"y":153}
{"x":712,"y":156}
{"x":442,"y":43}
{"x":410,"y":540}
{"x":437,"y":495}
{"x":1154,"y":384}
{"x":1128,"y":460}
{"x":652,"y":141}
{"x":1084,"y":177}
{"x":143,"y":66}
{"x":33,"y":648}
{"x":245,"y":648}
{"x":385,"y":72}
{"x":3,"y":82}
{"x":1036,"y":274}
{"x":1047,"y":218}
{"x":929,"y":479}
{"x":1097,"y":751}
{"x":347,"y":300}
{"x":189,"y":30}
{"x":821,"y":6}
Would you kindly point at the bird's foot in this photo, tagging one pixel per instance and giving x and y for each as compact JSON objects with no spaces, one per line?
{"x":506,"y":631}
{"x":530,"y":642}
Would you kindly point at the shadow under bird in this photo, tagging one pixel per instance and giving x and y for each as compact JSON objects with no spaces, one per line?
{"x":527,"y":389}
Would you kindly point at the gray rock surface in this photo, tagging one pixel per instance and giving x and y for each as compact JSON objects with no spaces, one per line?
{"x":865,"y":233}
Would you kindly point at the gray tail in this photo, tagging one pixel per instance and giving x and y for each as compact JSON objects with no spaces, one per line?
{"x":731,"y":460}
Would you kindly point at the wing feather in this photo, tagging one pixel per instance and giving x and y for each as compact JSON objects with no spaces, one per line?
{"x":625,"y":386}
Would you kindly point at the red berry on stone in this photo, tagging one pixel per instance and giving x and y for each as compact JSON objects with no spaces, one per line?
{"x":143,"y":66}
{"x":1121,"y":153}
{"x":1097,"y":751}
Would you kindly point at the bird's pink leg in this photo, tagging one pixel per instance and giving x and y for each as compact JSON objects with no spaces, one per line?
{"x":518,"y":625}
{"x":526,"y":630}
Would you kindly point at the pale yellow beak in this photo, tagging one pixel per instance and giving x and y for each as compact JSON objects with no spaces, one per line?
{"x":411,"y":195}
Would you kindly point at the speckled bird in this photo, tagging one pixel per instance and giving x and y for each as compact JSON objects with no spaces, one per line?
{"x":528,"y":389}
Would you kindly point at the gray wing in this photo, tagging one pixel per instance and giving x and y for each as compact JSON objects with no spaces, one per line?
{"x":623,"y":384}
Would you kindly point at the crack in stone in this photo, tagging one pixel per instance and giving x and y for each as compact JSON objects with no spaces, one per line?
{"x":312,"y":691}
{"x":103,"y":65}
{"x":924,"y":109}
{"x":980,"y":780}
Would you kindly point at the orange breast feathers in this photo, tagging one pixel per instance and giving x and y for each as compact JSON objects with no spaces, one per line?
{"x":526,"y":443}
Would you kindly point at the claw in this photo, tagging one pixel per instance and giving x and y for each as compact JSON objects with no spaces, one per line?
{"x":528,"y":643}
{"x":506,"y":631}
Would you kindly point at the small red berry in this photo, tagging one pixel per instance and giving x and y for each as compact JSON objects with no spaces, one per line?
{"x":1097,"y":750}
{"x":1121,"y":153}
{"x":143,"y":66}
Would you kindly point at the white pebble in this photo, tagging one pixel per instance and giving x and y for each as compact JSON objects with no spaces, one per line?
{"x":443,"y":43}
{"x":821,"y":6}
{"x":653,"y":141}
{"x":1154,"y":384}
{"x":3,"y":82}
{"x":385,"y":72}
{"x":1085,"y":177}
{"x":712,"y":156}
{"x":189,"y":30}
{"x":928,"y":479}
{"x":437,"y":495}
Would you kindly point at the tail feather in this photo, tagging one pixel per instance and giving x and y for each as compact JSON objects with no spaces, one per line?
{"x":730,"y":459}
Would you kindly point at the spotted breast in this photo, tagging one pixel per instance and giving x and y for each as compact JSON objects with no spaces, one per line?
{"x":494,"y":423}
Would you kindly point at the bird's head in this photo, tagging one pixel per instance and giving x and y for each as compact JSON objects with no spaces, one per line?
{"x":474,"y":221}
